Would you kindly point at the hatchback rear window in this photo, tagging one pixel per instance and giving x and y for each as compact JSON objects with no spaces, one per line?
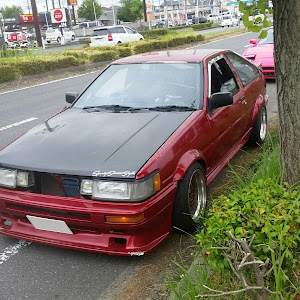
{"x":100,"y":32}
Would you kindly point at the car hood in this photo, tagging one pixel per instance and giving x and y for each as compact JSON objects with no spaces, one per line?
{"x":263,"y":53}
{"x":77,"y":142}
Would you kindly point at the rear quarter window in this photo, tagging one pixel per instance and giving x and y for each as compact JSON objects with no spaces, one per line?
{"x":247,"y":72}
{"x":100,"y":32}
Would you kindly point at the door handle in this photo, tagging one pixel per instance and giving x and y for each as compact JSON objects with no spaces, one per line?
{"x":243,"y":98}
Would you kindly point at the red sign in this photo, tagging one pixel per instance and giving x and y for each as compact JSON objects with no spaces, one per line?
{"x":72,"y":2}
{"x":27,"y":18}
{"x":57,"y":15}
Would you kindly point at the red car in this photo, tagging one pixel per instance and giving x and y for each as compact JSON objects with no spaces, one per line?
{"x":262,"y":52}
{"x":132,"y":155}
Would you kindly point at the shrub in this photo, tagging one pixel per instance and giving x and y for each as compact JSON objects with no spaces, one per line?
{"x":260,"y":210}
{"x":7,"y":73}
{"x":154,"y":33}
{"x":103,"y":56}
{"x":201,"y":26}
{"x":124,"y":51}
{"x":159,"y":44}
{"x":142,"y":47}
{"x":79,"y":54}
{"x":200,"y":37}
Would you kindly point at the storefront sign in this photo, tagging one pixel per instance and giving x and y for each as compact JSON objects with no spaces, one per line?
{"x":58,"y":15}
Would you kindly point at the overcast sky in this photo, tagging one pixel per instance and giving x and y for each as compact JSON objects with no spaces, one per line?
{"x":41,"y":4}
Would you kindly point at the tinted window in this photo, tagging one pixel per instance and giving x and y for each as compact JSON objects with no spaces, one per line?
{"x":246,"y":70}
{"x":146,"y":85}
{"x":222,"y":78}
{"x":120,"y":30}
{"x":113,"y":30}
{"x":129,"y":30}
{"x":100,"y":32}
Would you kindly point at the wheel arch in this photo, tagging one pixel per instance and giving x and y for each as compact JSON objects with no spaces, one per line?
{"x":256,"y":108}
{"x":186,"y":160}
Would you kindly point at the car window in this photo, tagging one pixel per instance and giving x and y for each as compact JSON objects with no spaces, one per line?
{"x":145,"y":86}
{"x":129,"y":30}
{"x":246,"y":70}
{"x":121,"y":30}
{"x":269,"y":38}
{"x":221,"y":77}
{"x":100,"y":32}
{"x":113,"y":30}
{"x":50,"y":30}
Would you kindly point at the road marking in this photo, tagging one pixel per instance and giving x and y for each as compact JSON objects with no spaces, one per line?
{"x":248,"y":46}
{"x":12,"y":250}
{"x":17,"y":123}
{"x":215,"y":41}
{"x":53,"y":81}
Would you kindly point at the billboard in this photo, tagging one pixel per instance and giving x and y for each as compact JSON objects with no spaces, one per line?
{"x":27,"y":18}
{"x":58,"y":15}
{"x":72,"y":2}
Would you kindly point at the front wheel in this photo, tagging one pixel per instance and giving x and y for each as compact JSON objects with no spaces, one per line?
{"x":73,"y":37}
{"x":58,"y":39}
{"x":259,"y":131}
{"x":191,"y":199}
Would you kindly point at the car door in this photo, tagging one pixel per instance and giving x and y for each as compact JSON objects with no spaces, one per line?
{"x":67,"y":34}
{"x":226,"y":123}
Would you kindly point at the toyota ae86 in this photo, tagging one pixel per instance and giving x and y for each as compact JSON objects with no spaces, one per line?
{"x":131,"y":156}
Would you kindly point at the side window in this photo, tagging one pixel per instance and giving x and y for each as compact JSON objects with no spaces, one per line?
{"x":129,"y":30}
{"x":113,"y":30}
{"x":246,"y":70}
{"x":221,"y":77}
{"x":121,"y":30}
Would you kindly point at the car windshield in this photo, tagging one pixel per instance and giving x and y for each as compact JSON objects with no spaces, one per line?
{"x":268,"y":40}
{"x":145,"y":85}
{"x":50,"y":30}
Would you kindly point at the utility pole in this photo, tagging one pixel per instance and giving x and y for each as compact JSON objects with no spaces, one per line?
{"x":47,"y":6}
{"x":53,"y":6}
{"x":2,"y":40}
{"x":145,"y":10}
{"x":28,"y":6}
{"x":36,"y":23}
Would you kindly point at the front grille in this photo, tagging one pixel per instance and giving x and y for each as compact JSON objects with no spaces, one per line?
{"x":268,"y":68}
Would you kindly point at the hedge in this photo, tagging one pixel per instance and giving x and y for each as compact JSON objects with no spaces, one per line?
{"x":96,"y":56}
{"x":154,"y":33}
{"x":201,"y":26}
{"x":7,"y":73}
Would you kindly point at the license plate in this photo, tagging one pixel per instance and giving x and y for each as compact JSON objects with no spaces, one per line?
{"x":49,"y":224}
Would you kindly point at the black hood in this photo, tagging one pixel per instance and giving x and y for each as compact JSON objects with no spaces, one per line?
{"x":77,"y":142}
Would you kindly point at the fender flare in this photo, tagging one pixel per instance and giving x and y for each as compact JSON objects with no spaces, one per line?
{"x":256,"y":108}
{"x":186,"y":160}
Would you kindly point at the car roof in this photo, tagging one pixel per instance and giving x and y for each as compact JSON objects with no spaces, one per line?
{"x":192,"y":55}
{"x":108,"y":27}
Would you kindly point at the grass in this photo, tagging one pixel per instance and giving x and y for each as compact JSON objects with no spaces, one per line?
{"x":187,"y":283}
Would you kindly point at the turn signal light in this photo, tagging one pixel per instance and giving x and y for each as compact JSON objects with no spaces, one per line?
{"x":127,"y":219}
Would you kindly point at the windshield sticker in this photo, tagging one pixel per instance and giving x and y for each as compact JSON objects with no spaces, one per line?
{"x":113,"y":173}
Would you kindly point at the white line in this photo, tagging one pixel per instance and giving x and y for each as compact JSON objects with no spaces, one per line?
{"x":53,"y":81}
{"x":17,"y":123}
{"x":215,"y":41}
{"x":12,"y":250}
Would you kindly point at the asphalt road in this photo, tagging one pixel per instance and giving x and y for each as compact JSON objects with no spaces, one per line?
{"x":34,"y":271}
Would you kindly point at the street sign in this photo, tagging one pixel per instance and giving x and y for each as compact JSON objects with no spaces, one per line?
{"x":58,"y":15}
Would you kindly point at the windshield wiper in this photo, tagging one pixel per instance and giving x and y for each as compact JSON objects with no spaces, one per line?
{"x":172,"y":107}
{"x":103,"y":107}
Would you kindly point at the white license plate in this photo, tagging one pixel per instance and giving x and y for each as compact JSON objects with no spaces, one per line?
{"x":49,"y":224}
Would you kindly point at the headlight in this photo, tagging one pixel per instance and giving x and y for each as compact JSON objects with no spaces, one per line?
{"x":12,"y":178}
{"x":120,"y":190}
{"x":8,"y":178}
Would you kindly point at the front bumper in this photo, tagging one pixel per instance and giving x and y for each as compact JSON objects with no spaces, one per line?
{"x":87,"y":221}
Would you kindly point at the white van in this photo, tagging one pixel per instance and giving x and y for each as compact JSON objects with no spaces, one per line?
{"x":229,"y":21}
{"x":112,"y":35}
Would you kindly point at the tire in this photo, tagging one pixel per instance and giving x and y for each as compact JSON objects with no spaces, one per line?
{"x":191,"y":199}
{"x":48,"y":42}
{"x":73,"y":38}
{"x":119,"y":42}
{"x":58,"y":39}
{"x":259,"y":131}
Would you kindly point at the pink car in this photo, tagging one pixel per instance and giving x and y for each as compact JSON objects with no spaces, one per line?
{"x":263,"y":51}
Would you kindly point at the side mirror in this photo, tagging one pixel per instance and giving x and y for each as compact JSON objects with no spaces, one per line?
{"x":70,"y":97}
{"x":253,"y":41}
{"x":219,"y":100}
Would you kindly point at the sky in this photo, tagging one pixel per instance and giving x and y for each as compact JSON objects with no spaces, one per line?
{"x":41,"y":4}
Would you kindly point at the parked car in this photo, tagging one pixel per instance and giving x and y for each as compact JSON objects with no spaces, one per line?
{"x":158,"y":23}
{"x":90,"y":24}
{"x":112,"y":35}
{"x":55,"y":35}
{"x":229,"y":21}
{"x":262,"y":51}
{"x":133,"y":153}
{"x":197,"y":20}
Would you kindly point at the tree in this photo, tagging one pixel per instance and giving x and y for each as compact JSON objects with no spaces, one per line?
{"x":130,"y":10}
{"x":11,"y":11}
{"x":86,"y":10}
{"x":287,"y":65}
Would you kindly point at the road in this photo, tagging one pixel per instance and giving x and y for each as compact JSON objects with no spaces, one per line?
{"x":34,"y":271}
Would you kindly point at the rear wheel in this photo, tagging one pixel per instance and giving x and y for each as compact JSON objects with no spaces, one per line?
{"x":58,"y":39}
{"x":191,"y":199}
{"x":259,"y":131}
{"x":73,"y":37}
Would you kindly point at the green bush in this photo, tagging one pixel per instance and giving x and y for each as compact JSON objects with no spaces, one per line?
{"x":7,"y":73}
{"x":124,"y":51}
{"x":260,"y":210}
{"x":201,"y":26}
{"x":79,"y":54}
{"x":103,"y":56}
{"x":154,"y":33}
{"x":200,"y":38}
{"x":159,"y":44}
{"x":142,"y":47}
